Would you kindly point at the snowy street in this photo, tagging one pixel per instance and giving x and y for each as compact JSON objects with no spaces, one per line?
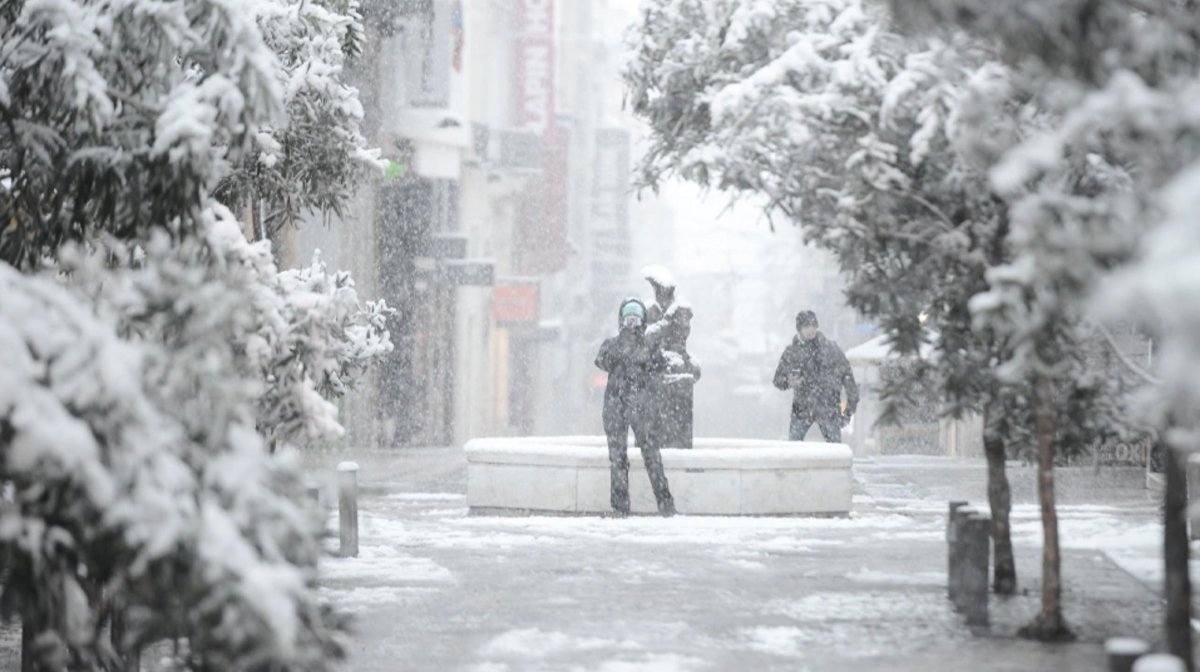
{"x":795,"y":275}
{"x":441,"y":590}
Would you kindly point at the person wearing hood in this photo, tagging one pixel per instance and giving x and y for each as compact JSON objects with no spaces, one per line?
{"x":631,"y":361}
{"x":816,"y":370}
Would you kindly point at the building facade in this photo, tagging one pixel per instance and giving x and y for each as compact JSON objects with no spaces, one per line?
{"x":500,"y":230}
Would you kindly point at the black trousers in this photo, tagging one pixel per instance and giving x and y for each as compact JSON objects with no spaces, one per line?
{"x":616,"y":426}
{"x":831,"y":428}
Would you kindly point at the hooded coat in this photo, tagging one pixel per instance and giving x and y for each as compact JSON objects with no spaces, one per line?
{"x":631,"y":361}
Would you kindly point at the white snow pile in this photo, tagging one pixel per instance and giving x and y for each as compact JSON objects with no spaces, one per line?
{"x":659,"y":275}
{"x":535,"y":648}
{"x":535,"y":643}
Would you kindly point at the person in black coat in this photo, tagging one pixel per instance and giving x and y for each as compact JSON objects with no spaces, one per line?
{"x":631,"y":360}
{"x":816,"y":370}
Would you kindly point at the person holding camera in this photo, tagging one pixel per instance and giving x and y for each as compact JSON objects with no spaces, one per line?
{"x":816,"y":370}
{"x":632,"y":360}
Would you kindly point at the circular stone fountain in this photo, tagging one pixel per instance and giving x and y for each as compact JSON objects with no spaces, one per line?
{"x":725,"y":477}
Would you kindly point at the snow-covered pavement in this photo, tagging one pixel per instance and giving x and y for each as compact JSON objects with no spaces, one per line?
{"x":437,"y":589}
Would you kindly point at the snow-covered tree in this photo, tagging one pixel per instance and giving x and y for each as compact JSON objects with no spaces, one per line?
{"x":117,"y":116}
{"x":313,"y":161}
{"x":122,"y":117}
{"x":854,"y":132}
{"x":155,"y":355}
{"x":313,"y":342}
{"x":302,"y":333}
{"x":879,"y":145}
{"x":1092,"y":189}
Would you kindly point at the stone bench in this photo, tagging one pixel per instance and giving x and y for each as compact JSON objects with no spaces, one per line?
{"x":727,"y":477}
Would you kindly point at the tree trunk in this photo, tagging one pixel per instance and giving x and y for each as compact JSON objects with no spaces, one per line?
{"x":1049,"y":625}
{"x":127,"y":652}
{"x":1004,"y":581}
{"x":1178,"y":584}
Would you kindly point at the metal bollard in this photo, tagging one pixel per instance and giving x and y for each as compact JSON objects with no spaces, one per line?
{"x":1159,"y":662}
{"x":1193,"y":491}
{"x":1123,"y":651}
{"x":951,"y":548}
{"x":959,"y":522}
{"x":348,"y":508}
{"x":28,"y":642}
{"x":974,"y":555}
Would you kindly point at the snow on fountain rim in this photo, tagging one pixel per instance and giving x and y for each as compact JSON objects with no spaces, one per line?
{"x":592,"y":451}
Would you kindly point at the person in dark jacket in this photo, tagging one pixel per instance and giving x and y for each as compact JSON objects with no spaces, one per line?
{"x":672,"y":392}
{"x":631,"y":360}
{"x":816,"y":370}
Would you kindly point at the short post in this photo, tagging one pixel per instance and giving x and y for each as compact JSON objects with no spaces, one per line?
{"x":1193,"y":496}
{"x":28,"y":642}
{"x":1159,"y":662}
{"x":952,"y":549}
{"x":1123,"y":651}
{"x":959,"y":522}
{"x":975,"y":553}
{"x":348,"y":508}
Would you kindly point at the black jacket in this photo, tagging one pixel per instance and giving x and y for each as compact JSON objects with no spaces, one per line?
{"x":630,"y":359}
{"x":824,"y":370}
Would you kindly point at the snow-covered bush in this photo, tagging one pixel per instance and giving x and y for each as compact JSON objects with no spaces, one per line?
{"x":137,"y":474}
{"x":329,"y":340}
{"x":154,"y":356}
{"x":350,"y":334}
{"x":300,"y":338}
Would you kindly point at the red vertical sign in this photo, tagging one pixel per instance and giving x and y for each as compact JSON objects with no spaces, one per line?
{"x":535,"y":66}
{"x":542,"y":233}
